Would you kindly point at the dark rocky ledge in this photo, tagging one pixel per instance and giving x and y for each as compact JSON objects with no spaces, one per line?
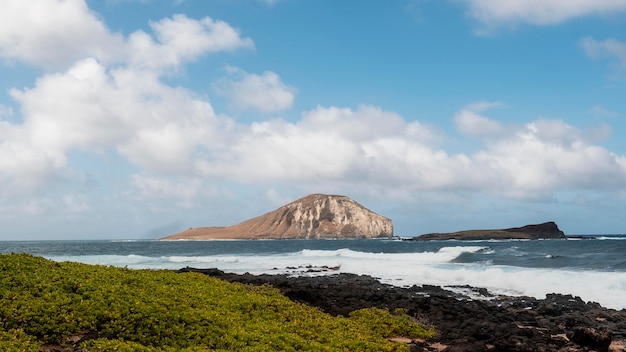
{"x":466,"y":319}
{"x":546,"y":230}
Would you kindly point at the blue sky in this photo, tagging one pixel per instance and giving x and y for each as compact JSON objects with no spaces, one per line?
{"x":138,"y":119}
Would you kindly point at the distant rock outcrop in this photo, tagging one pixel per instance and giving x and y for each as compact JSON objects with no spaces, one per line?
{"x":316,"y":216}
{"x":528,"y":232}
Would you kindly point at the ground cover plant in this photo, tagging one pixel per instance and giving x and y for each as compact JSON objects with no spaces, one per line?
{"x":100,"y":308}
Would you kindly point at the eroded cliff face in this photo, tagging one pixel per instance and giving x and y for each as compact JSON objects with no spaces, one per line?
{"x":329,"y":216}
{"x":316,"y":216}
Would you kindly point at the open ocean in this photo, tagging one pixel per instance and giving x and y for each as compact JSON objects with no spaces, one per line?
{"x":594,"y":269}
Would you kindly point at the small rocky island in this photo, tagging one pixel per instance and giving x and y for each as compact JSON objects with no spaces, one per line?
{"x":547,"y":230}
{"x":316,"y":216}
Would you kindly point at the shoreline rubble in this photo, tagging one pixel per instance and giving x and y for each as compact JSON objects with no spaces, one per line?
{"x":497,"y":323}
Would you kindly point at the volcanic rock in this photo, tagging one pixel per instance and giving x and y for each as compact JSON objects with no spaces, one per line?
{"x":316,"y":216}
{"x":528,"y":232}
{"x":479,"y":321}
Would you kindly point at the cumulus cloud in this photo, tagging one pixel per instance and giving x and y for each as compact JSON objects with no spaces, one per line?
{"x":332,"y":143}
{"x":493,"y":14}
{"x":469,"y":121}
{"x":89,"y":108}
{"x":112,"y":99}
{"x":550,"y":154}
{"x":104,"y":91}
{"x":5,"y":111}
{"x":181,"y":39}
{"x":248,"y":91}
{"x":53,"y":34}
{"x":379,"y":148}
{"x":23,"y":166}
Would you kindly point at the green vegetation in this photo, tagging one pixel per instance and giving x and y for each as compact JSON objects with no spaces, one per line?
{"x":45,"y":302}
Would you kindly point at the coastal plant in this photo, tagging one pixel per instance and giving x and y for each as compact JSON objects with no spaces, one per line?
{"x":117,"y":309}
{"x":14,"y":340}
{"x":385,"y":324}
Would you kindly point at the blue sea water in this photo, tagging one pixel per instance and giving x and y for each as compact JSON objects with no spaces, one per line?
{"x":594,"y":269}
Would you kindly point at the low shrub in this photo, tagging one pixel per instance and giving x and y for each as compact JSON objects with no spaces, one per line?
{"x":46,"y":302}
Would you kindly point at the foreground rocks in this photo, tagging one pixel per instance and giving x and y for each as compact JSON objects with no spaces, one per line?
{"x":466,"y":319}
{"x":316,"y":216}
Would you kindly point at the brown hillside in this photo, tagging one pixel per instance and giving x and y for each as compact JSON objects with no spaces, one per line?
{"x":315,"y":216}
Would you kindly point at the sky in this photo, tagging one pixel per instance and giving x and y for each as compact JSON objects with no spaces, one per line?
{"x":136,"y":119}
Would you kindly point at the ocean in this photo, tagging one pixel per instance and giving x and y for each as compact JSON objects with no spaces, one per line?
{"x":594,"y":269}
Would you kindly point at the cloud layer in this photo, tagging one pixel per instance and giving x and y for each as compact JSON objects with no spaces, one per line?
{"x":102,"y":95}
{"x":118,"y":102}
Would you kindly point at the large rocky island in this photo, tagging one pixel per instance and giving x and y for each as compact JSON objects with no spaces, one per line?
{"x":528,"y":232}
{"x":316,"y":216}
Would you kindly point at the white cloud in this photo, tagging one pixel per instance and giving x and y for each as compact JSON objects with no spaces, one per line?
{"x":55,"y":33}
{"x":184,"y":192}
{"x":67,"y":206}
{"x":331,"y":143}
{"x":492,"y":14}
{"x":548,"y":155}
{"x":155,"y":126}
{"x":611,"y":48}
{"x":364,"y":124}
{"x":24,"y":167}
{"x":5,"y":111}
{"x":475,"y":125}
{"x":107,"y":93}
{"x":370,"y":147}
{"x":76,"y":203}
{"x":249,"y":91}
{"x":470,"y":122}
{"x":181,"y":39}
{"x":110,"y":97}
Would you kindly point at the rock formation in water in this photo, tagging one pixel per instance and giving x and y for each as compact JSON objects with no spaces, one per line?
{"x":528,"y":232}
{"x":316,"y":216}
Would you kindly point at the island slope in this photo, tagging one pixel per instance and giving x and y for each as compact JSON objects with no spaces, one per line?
{"x":316,"y":216}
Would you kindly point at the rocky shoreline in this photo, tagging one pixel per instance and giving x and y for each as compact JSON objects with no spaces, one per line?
{"x":466,"y":318}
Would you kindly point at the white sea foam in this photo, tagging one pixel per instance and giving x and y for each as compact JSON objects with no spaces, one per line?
{"x":614,"y":238}
{"x":443,"y":255}
{"x":401,"y":269}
